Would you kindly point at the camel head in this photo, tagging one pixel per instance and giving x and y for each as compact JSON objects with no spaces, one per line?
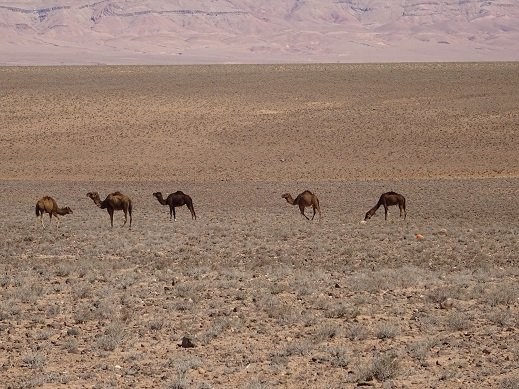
{"x":157,"y":195}
{"x":369,"y":214}
{"x":67,"y":210}
{"x":93,"y":195}
{"x":288,"y":198}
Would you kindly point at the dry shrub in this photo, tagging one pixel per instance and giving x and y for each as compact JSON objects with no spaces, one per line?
{"x":34,"y":360}
{"x":357,"y":331}
{"x":257,"y":383}
{"x":182,"y":365}
{"x":382,"y":367}
{"x":339,"y":357}
{"x":112,"y":337}
{"x":81,"y":290}
{"x":156,"y":324}
{"x":327,"y":331}
{"x":502,"y":295}
{"x":27,"y":294}
{"x":386,"y":330}
{"x":509,"y":383}
{"x":458,"y":321}
{"x":340,"y":311}
{"x":439,"y":295}
{"x":71,"y":346}
{"x":299,"y":347}
{"x":420,"y":349}
{"x":501,"y":317}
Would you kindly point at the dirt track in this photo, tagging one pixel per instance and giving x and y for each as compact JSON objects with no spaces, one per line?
{"x":268,"y":298}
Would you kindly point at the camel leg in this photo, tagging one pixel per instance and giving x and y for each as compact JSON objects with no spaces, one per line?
{"x":111,"y":213}
{"x":171,"y":213}
{"x":174,"y":215}
{"x":302,"y":209}
{"x":40,"y":217}
{"x":314,"y":213}
{"x":57,"y":221}
{"x":193,"y":214}
{"x":125,"y":217}
{"x":385,"y":211}
{"x":318,"y":208}
{"x":130,"y":212}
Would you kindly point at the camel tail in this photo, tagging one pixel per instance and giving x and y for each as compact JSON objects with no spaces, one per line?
{"x":37,"y":210}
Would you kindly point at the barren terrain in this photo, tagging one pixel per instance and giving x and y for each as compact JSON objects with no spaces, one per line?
{"x":267,"y":298}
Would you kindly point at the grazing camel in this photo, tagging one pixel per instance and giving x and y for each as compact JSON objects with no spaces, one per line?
{"x":303,"y":200}
{"x":114,"y":202}
{"x":49,"y":205}
{"x":176,"y":199}
{"x":387,"y":199}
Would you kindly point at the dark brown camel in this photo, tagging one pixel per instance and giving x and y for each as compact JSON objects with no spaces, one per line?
{"x":49,"y":205}
{"x":114,"y":202}
{"x":303,"y":200}
{"x":387,"y":199}
{"x":176,"y":199}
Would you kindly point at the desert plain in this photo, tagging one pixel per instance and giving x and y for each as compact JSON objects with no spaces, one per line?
{"x":267,"y":298}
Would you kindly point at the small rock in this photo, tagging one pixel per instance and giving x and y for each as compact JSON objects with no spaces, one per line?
{"x":186,"y":343}
{"x":446,"y":304}
{"x":419,"y":236}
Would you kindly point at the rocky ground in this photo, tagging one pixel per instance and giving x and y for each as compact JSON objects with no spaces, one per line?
{"x":266,"y":298}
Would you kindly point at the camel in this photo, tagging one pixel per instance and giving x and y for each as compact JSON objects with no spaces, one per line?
{"x":176,"y":199}
{"x":303,"y":200}
{"x":114,"y":202}
{"x":49,"y":205}
{"x":387,"y":199}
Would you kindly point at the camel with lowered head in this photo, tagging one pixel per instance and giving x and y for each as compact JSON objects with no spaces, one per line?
{"x":115,"y":201}
{"x":303,"y":200}
{"x":387,"y":199}
{"x":49,"y":205}
{"x":176,"y":199}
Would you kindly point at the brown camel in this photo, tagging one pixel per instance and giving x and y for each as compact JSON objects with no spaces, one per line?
{"x":176,"y":199}
{"x":114,"y":202}
{"x":49,"y":205}
{"x":303,"y":200}
{"x":387,"y":199}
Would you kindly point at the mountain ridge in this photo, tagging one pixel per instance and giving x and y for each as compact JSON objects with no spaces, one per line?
{"x":263,"y":31}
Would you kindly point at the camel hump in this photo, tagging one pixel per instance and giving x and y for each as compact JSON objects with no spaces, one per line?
{"x":391,"y":193}
{"x":179,"y":192}
{"x":46,"y":199}
{"x":117,"y":193}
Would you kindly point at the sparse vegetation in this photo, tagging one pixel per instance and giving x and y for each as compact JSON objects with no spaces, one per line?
{"x":268,"y":299}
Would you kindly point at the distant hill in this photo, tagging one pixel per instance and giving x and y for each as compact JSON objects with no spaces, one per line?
{"x":257,"y":31}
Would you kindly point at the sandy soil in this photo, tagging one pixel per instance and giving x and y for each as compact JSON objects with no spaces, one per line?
{"x":268,"y":298}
